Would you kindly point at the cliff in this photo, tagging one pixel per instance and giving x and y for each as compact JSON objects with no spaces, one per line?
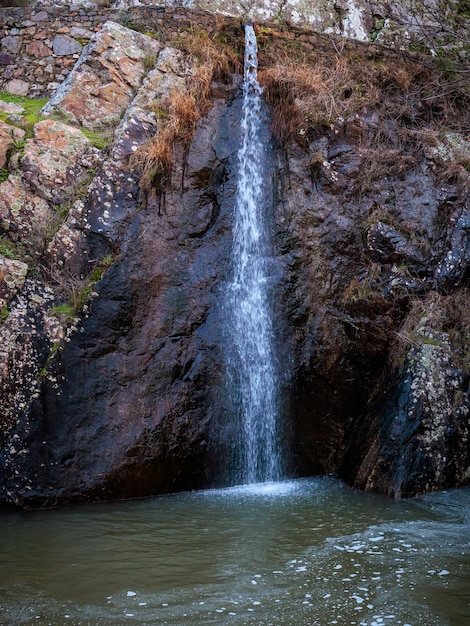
{"x":116,"y":215}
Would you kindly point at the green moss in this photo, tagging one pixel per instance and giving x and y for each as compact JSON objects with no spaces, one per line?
{"x":149,"y":62}
{"x":100,"y":140}
{"x":378,"y":26}
{"x":76,"y":292}
{"x":11,"y":249}
{"x":128,"y":21}
{"x":32,"y":106}
{"x":43,"y":371}
{"x":4,"y":314}
{"x":101,"y":267}
{"x":430,"y":341}
{"x":64,"y":313}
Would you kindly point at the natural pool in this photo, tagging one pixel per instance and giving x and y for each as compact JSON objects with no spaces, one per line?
{"x":296,"y":553}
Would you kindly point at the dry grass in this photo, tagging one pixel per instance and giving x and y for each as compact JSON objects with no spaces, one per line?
{"x":209,"y":51}
{"x":440,"y":313}
{"x":179,"y":114}
{"x":457,"y":171}
{"x":378,"y":162}
{"x":405,"y":100}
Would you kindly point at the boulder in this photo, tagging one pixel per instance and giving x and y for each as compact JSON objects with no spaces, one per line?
{"x":17,"y":87}
{"x":105,"y":78}
{"x":420,"y":436}
{"x":51,"y":160}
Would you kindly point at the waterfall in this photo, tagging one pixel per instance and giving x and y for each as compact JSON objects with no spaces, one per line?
{"x":252,"y":360}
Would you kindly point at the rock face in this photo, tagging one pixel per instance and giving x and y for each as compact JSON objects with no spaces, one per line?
{"x":105,"y":77}
{"x":113,"y":375}
{"x":381,"y":394}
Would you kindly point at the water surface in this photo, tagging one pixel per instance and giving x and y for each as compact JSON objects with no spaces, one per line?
{"x":296,"y":553}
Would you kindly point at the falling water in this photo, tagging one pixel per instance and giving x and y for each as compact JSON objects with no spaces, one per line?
{"x":253,"y":362}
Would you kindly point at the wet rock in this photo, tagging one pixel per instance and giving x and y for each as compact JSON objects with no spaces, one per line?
{"x":342,"y":315}
{"x":421,"y":439}
{"x":454,"y":269}
{"x":155,"y":327}
{"x":387,"y":245}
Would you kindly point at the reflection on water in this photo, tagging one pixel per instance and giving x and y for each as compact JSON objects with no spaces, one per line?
{"x":296,"y":553}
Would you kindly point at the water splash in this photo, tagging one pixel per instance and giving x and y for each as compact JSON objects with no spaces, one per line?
{"x":253,"y":361}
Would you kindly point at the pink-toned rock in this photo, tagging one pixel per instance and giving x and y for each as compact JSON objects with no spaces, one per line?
{"x":17,"y":87}
{"x":22,"y":213}
{"x":6,"y":142}
{"x":11,"y":107}
{"x":38,"y":49}
{"x":50,"y":161}
{"x":106,"y":76}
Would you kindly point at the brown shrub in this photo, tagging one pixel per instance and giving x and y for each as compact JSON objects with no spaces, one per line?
{"x":179,"y":114}
{"x":441,"y":313}
{"x":323,"y":88}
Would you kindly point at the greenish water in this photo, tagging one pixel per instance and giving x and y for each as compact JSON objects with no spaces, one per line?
{"x":297,"y":553}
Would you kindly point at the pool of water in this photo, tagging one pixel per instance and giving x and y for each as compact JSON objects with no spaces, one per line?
{"x":302,"y":552}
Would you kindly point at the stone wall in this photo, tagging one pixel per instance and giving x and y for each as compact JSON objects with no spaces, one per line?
{"x":39,"y":47}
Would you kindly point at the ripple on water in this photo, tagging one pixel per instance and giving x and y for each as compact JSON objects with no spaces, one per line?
{"x":307,"y":552}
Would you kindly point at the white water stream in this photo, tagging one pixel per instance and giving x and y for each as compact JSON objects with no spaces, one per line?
{"x":253,"y":361}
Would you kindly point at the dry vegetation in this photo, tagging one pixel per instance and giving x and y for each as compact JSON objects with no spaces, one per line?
{"x":404,"y":102}
{"x":319,"y":91}
{"x":177,"y":116}
{"x":435,"y":314}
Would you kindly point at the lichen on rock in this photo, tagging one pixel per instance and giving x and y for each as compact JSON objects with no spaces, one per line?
{"x":106,"y":77}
